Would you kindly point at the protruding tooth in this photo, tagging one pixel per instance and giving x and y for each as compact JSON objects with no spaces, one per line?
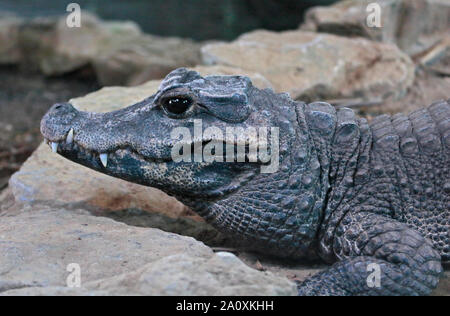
{"x":69,"y":138}
{"x":104,"y":159}
{"x":54,"y":147}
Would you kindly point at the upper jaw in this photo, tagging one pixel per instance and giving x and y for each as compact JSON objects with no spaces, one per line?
{"x":68,"y":144}
{"x":84,"y":136}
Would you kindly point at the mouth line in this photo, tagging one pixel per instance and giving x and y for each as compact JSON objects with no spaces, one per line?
{"x":68,"y":144}
{"x":62,"y":146}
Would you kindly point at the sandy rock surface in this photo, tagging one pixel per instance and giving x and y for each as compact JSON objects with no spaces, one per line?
{"x":119,"y":52}
{"x":39,"y":244}
{"x":313,"y":66}
{"x":413,"y":25}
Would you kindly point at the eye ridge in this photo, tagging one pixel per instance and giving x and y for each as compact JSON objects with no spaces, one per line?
{"x":177,"y":105}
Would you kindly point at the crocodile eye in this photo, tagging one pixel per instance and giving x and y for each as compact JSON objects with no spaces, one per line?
{"x":177,"y":105}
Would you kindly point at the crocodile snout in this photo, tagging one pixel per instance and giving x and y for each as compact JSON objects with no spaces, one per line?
{"x":61,"y":110}
{"x":56,"y":123}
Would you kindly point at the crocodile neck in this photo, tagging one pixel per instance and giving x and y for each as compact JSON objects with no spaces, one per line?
{"x":281,"y":213}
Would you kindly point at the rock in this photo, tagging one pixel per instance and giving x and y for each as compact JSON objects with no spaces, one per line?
{"x":137,"y":60}
{"x":258,"y":80}
{"x":50,"y":46}
{"x":114,"y":98}
{"x":443,"y":288}
{"x":427,"y":88}
{"x":182,"y":225}
{"x":414,"y":25}
{"x":51,"y":291}
{"x":313,"y":66}
{"x":437,"y":59}
{"x":118,"y":51}
{"x":37,"y":245}
{"x":184,"y":274}
{"x":10,"y":52}
{"x":349,"y":18}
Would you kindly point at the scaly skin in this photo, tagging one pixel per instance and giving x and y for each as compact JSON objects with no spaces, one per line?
{"x":348,"y":192}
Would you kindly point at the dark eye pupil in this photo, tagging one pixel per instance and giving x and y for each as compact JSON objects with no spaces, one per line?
{"x":177,"y":105}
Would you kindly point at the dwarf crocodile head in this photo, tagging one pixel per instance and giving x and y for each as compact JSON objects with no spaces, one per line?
{"x":195,"y":136}
{"x":240,"y":156}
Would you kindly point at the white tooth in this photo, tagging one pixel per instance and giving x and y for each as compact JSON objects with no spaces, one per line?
{"x":69,"y":138}
{"x":104,"y":159}
{"x":46,"y":141}
{"x":54,"y":147}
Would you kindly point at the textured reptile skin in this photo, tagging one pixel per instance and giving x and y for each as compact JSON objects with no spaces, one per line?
{"x":354,"y":194}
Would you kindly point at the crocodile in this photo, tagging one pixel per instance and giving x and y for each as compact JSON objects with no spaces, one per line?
{"x":370,"y":199}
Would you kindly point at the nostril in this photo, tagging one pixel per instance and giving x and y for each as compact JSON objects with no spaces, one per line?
{"x":63,"y":106}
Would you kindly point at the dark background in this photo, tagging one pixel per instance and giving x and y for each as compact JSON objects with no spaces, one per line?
{"x":197,"y":19}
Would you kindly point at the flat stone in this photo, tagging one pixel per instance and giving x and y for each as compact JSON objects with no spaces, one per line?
{"x":136,"y":60}
{"x":314,"y":66}
{"x":258,"y":80}
{"x":10,"y":52}
{"x":39,"y":243}
{"x":52,"y":47}
{"x":119,"y":52}
{"x":425,"y":23}
{"x":443,"y":288}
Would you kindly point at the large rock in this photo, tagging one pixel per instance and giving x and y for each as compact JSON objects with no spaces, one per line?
{"x":38,"y":244}
{"x":414,"y":25}
{"x":221,"y":274}
{"x":52,"y":47}
{"x":118,"y":51}
{"x":258,"y":80}
{"x":318,"y":66}
{"x":10,"y":52}
{"x":137,"y":60}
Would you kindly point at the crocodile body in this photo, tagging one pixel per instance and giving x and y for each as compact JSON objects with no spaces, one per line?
{"x":366,"y":198}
